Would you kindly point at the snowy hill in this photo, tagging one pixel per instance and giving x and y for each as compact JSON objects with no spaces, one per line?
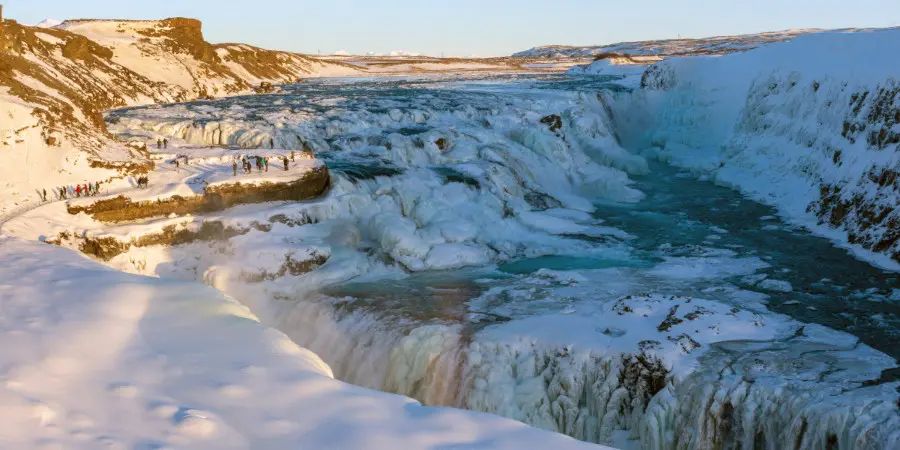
{"x":717,"y":45}
{"x":809,"y":126}
{"x":55,"y":83}
{"x":173,"y":51}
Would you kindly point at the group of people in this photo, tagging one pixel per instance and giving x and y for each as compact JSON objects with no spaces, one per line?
{"x":262,"y":163}
{"x":178,"y":159}
{"x":162,"y":143}
{"x":72,"y":191}
{"x":143,"y":181}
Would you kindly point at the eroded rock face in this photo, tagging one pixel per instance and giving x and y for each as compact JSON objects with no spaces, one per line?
{"x":658,"y":77}
{"x":216,"y":198}
{"x":293,"y":265}
{"x":553,"y":122}
{"x":183,"y":35}
{"x":867,"y":208}
{"x":106,"y":248}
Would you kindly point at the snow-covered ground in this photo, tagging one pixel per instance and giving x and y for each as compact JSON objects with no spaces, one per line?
{"x":489,"y":181}
{"x":95,"y":358}
{"x":485,"y":244}
{"x":716,"y":45}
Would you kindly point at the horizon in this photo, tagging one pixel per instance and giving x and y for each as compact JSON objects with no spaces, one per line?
{"x":503,"y":28}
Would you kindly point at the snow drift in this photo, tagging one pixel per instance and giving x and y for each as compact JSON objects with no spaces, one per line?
{"x":98,"y":358}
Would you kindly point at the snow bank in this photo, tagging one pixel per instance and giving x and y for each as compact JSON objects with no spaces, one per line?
{"x":808,"y":126}
{"x":97,"y":358}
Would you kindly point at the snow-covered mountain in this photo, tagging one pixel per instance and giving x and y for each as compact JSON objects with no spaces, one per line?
{"x":717,"y":45}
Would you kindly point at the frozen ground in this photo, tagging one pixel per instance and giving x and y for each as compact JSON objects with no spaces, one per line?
{"x":95,"y":358}
{"x":472,"y":253}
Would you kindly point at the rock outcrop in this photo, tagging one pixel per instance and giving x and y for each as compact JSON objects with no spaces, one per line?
{"x":56,"y":82}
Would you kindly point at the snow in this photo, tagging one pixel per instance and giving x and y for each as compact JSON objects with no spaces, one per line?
{"x":651,"y":350}
{"x":771,"y":122}
{"x":547,"y":347}
{"x":668,"y":47}
{"x":98,"y":358}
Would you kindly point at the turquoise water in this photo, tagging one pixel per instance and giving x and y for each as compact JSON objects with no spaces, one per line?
{"x":830,"y":287}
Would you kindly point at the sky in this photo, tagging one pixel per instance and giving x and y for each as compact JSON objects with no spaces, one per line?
{"x":468,"y":27}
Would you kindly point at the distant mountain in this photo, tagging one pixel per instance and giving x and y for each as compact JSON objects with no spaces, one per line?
{"x":717,"y":45}
{"x":49,"y":23}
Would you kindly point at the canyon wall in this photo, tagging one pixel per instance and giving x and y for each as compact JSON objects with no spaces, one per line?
{"x":811,"y":126}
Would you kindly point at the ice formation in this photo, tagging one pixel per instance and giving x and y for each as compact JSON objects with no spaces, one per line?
{"x":808,"y":126}
{"x":473,"y":174}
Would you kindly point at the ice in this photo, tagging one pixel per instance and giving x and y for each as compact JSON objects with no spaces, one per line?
{"x":477,"y":200}
{"x":468,"y":259}
{"x":783,"y":124}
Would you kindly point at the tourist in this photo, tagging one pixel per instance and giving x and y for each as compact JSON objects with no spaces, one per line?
{"x":165,"y":143}
{"x":284,"y":158}
{"x":234,"y":168}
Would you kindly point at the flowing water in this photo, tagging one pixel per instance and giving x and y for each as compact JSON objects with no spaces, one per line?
{"x":485,"y":258}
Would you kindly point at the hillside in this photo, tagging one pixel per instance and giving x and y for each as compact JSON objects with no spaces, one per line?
{"x":716,"y":45}
{"x":173,"y":51}
{"x":56,"y":82}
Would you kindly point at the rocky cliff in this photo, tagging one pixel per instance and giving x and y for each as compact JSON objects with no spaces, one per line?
{"x":56,"y":82}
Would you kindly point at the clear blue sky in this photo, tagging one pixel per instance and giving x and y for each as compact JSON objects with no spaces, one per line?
{"x":469,"y":27}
